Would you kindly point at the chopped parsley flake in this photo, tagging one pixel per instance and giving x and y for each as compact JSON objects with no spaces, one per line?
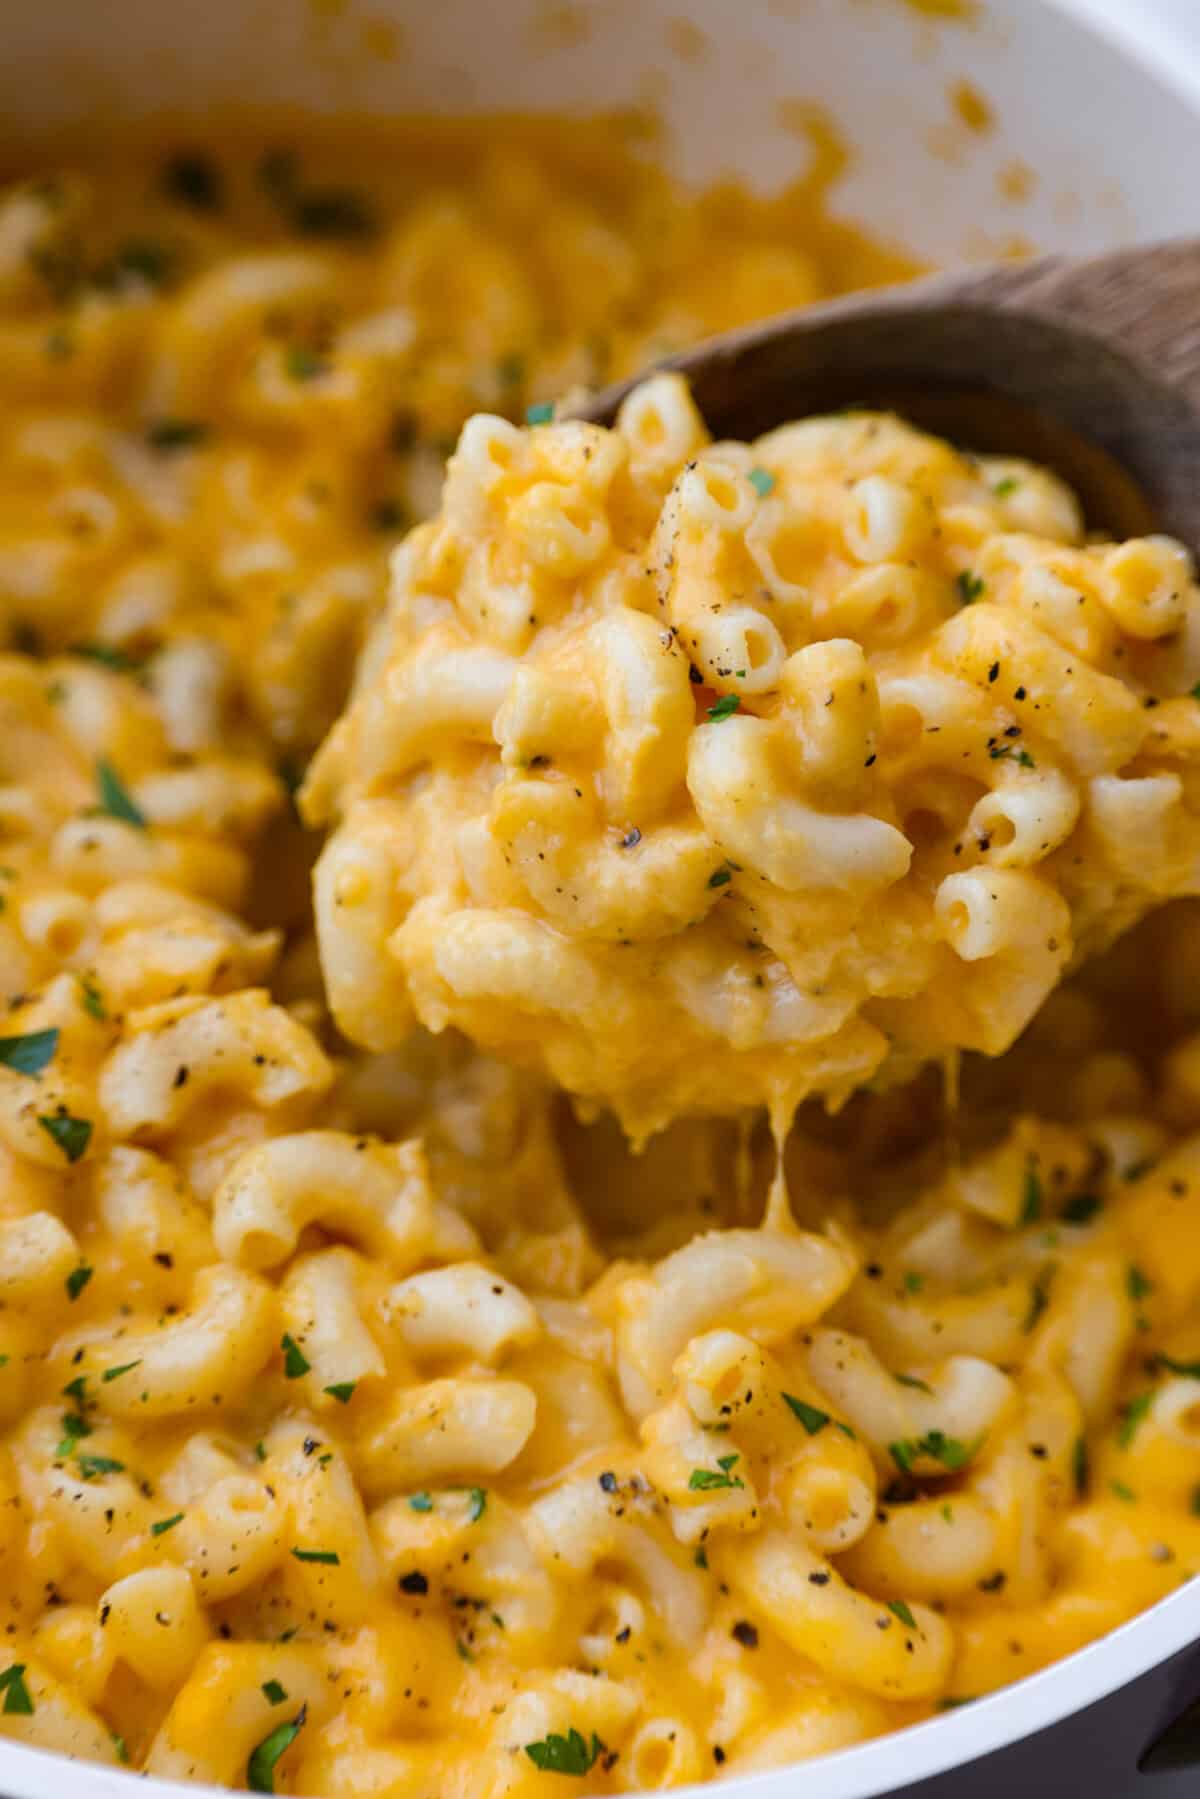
{"x":92,"y":998}
{"x":72,"y":1136}
{"x":810,"y":1417}
{"x":421,"y":1502}
{"x":949,"y":1451}
{"x":913,"y":1282}
{"x":31,"y":1053}
{"x":476,"y":1504}
{"x":902,"y":1611}
{"x":1008,"y":485}
{"x":78,"y":1279}
{"x":17,"y":1700}
{"x":1031,"y":1197}
{"x":969,"y":586}
{"x":116,"y":1373}
{"x":115,"y":800}
{"x":541,"y":414}
{"x":704,"y":1480}
{"x":1189,"y":1370}
{"x":813,"y":1419}
{"x":1082,"y":1209}
{"x":74,"y":1426}
{"x":341,"y":1391}
{"x":721,"y":878}
{"x":165,"y":1524}
{"x":294,"y":1362}
{"x":1039,"y":1299}
{"x":260,"y":1769}
{"x":1121,"y":1491}
{"x":762,"y":481}
{"x":329,"y":1557}
{"x":1131,"y":1416}
{"x":565,"y":1755}
{"x":911,"y":1380}
{"x":93,"y":1466}
{"x":725,"y":707}
{"x":1136,"y":1284}
{"x":275,"y":1694}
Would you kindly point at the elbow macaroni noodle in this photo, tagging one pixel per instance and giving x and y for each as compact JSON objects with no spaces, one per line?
{"x":368,"y":1422}
{"x":711,"y":775}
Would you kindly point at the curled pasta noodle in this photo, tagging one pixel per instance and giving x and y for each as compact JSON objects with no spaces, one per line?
{"x":378,"y":1195}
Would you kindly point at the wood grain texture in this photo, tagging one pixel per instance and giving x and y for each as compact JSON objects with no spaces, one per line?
{"x":1090,"y":365}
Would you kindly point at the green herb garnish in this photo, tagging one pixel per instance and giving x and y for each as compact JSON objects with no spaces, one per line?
{"x":329,"y":1557}
{"x":116,"y":1373}
{"x":704,"y":1480}
{"x":762,"y":481}
{"x":93,"y":1466}
{"x":1131,"y":1416}
{"x":969,"y":586}
{"x":341,"y":1391}
{"x":902,"y":1612}
{"x":725,"y":707}
{"x":565,"y":1755}
{"x":78,"y":1278}
{"x":31,"y":1053}
{"x":294,"y":1363}
{"x":260,"y":1769}
{"x":937,"y":1446}
{"x":72,"y":1136}
{"x":17,"y":1701}
{"x":115,"y":799}
{"x":165,"y":1524}
{"x":1031,"y":1197}
{"x":810,"y":1417}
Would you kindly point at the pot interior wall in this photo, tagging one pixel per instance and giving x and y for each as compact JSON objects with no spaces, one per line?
{"x":1073,"y":146}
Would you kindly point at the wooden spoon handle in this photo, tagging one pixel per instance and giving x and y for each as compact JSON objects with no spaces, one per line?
{"x":1091,"y":366}
{"x":1144,"y":303}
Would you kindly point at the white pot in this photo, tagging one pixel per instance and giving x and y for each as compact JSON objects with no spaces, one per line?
{"x":1100,"y":98}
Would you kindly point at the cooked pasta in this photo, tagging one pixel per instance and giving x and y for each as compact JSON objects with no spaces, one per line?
{"x":370,"y":1421}
{"x":711,"y":775}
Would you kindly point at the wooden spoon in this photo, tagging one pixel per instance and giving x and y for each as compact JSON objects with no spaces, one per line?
{"x":1089,"y":365}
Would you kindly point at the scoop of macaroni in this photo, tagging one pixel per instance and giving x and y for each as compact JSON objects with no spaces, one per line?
{"x":712,"y":774}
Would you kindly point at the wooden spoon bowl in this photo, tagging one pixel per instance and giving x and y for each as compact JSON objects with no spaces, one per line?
{"x":1091,"y":366}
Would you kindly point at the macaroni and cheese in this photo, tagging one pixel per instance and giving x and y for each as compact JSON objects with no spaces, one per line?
{"x":712,"y":775}
{"x":370,"y":1421}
